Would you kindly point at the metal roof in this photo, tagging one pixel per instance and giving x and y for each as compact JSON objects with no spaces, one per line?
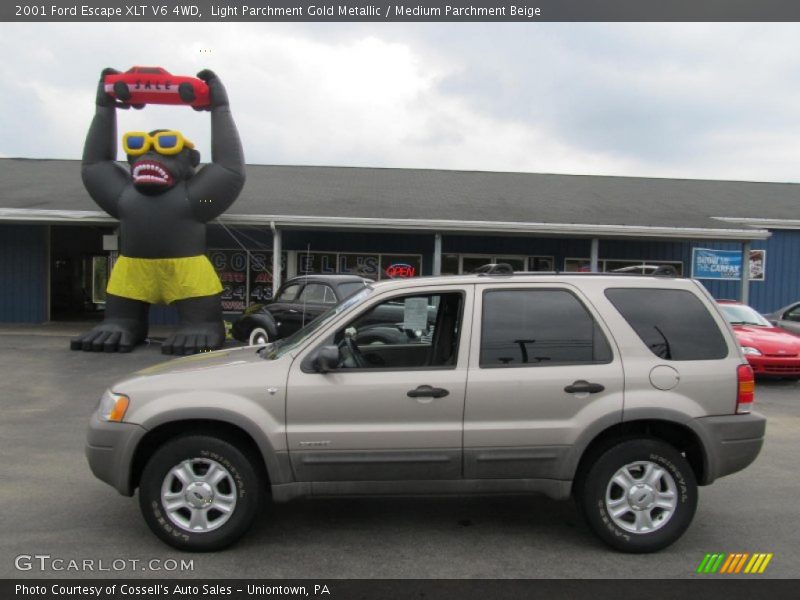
{"x":446,"y":201}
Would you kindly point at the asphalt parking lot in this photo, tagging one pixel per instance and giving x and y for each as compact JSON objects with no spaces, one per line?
{"x":54,"y":506}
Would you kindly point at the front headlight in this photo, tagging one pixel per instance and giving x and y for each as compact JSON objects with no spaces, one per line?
{"x":113,"y":406}
{"x":750,"y":350}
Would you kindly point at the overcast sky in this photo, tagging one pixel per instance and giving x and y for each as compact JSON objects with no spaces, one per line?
{"x":715,"y":101}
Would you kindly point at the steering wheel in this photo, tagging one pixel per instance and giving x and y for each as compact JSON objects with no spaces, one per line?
{"x":355,"y":353}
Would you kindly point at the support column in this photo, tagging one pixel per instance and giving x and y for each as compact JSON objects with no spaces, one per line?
{"x":594,"y":259}
{"x":437,"y":254}
{"x":744,"y":296}
{"x":276,"y":259}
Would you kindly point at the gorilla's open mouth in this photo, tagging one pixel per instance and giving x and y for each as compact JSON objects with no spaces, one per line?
{"x":149,"y":172}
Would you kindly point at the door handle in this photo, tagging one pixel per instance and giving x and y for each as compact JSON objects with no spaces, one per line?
{"x":426,"y":391}
{"x":584,"y":387}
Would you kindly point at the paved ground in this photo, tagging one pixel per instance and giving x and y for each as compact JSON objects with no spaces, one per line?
{"x":54,"y":506}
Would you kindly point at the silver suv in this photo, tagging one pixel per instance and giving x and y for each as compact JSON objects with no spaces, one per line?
{"x":624,"y":392}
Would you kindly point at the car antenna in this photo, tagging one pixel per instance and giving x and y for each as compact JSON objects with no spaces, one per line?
{"x":305,"y":273}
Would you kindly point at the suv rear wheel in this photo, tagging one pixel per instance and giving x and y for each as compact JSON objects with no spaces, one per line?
{"x":640,"y":495}
{"x":199,"y":493}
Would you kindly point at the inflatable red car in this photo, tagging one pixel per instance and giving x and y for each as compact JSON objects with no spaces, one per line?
{"x":153,"y":85}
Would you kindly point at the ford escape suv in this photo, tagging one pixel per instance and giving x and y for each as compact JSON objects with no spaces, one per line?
{"x":623,"y":392}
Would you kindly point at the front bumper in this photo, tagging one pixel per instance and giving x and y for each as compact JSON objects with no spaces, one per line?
{"x":730,"y":443}
{"x":110,"y":448}
{"x":775,"y":366}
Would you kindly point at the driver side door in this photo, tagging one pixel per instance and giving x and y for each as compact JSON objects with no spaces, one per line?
{"x":393,"y":409}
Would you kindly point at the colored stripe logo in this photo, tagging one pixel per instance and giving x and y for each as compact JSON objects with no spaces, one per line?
{"x":737,"y":562}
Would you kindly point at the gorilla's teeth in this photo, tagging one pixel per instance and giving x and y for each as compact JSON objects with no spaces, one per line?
{"x":150,"y":172}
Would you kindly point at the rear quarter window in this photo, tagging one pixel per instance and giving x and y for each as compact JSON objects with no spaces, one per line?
{"x":673,"y":324}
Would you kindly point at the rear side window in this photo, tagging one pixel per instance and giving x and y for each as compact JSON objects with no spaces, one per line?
{"x":350,"y":288}
{"x":674,"y":324}
{"x":539,"y":328}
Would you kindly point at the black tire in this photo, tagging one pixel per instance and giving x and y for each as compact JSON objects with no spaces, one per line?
{"x":243,"y":483}
{"x":122,"y":91}
{"x":635,"y":455}
{"x":186,"y":92}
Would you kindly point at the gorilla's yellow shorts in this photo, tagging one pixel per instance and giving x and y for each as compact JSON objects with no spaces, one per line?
{"x":163,"y":280}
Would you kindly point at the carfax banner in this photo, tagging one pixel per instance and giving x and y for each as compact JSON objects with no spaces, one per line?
{"x":726,"y":264}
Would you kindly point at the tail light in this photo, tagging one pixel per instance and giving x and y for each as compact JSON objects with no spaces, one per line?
{"x":746,"y":389}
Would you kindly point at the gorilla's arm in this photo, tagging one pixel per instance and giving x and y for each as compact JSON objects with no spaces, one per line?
{"x":216,"y":186}
{"x":103,"y":178}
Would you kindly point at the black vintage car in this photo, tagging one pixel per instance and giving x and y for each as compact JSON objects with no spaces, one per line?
{"x":297,"y":302}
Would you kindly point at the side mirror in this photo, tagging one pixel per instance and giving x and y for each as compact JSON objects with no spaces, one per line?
{"x":325,"y":359}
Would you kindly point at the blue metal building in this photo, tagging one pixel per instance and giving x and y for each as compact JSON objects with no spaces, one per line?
{"x":55,"y":244}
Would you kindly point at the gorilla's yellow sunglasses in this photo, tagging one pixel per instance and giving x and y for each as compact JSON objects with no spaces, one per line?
{"x":136,"y":143}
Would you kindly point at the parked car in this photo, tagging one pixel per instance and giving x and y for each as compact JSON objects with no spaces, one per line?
{"x":298,"y":302}
{"x":787,"y":317}
{"x":518,"y":387}
{"x":770,"y":350}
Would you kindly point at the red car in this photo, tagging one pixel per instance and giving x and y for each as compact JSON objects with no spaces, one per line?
{"x":153,"y":85}
{"x":770,"y":350}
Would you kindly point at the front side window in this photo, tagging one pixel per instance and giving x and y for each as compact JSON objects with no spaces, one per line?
{"x":539,"y":328}
{"x":289,"y":293}
{"x":409,"y":332}
{"x":673,"y":324}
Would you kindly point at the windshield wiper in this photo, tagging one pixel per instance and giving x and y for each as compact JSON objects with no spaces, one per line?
{"x":667,"y":350}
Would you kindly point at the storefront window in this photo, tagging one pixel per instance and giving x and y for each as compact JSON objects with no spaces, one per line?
{"x":541,"y":263}
{"x":372,"y":266}
{"x":246,"y":276}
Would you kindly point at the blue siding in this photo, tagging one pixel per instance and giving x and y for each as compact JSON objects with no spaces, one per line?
{"x":782,"y":278}
{"x":23,"y":273}
{"x":782,"y":285}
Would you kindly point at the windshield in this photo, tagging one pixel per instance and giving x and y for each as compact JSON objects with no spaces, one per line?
{"x":739,"y":314}
{"x":281,"y":347}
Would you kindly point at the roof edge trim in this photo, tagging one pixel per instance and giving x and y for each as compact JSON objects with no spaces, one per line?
{"x":428,"y":225}
{"x":761,"y":222}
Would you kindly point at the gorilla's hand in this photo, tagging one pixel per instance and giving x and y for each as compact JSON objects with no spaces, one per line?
{"x":103,"y":99}
{"x":217,"y":93}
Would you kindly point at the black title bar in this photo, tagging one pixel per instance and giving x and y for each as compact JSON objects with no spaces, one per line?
{"x":148,"y":11}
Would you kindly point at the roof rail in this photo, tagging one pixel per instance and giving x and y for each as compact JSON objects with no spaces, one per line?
{"x":495,"y":269}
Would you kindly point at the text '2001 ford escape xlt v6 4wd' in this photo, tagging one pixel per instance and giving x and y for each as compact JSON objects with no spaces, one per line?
{"x":625,"y":392}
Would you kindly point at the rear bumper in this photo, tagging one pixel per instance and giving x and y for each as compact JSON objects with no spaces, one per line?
{"x":110,"y":448}
{"x":730,"y":443}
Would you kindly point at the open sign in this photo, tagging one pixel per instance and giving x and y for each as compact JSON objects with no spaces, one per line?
{"x":400,"y":271}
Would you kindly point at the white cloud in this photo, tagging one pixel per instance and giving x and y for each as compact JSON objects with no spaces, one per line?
{"x":678,"y":100}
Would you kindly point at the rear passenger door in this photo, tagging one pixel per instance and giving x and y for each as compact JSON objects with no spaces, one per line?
{"x":542,"y":367}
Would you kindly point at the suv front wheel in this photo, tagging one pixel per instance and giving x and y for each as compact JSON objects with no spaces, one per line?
{"x":199,"y":493}
{"x":640,"y":495}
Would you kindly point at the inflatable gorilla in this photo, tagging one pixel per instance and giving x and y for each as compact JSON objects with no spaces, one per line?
{"x":163,"y":207}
